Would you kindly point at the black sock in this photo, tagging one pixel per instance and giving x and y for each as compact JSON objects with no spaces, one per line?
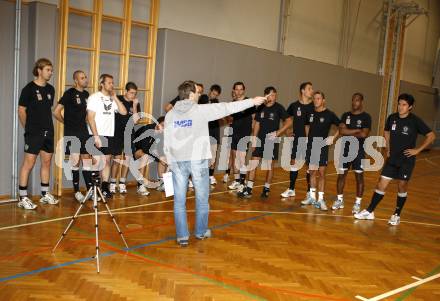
{"x":87,"y":175}
{"x":375,"y":200}
{"x":228,"y":171}
{"x":75,"y":179}
{"x":401,"y":199}
{"x":211,"y":172}
{"x":22,"y":192}
{"x":242,"y":178}
{"x":44,"y":188}
{"x":293,"y":175}
{"x":140,"y":182}
{"x":308,"y":181}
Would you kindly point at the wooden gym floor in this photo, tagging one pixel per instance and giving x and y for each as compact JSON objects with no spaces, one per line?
{"x":272,"y":250}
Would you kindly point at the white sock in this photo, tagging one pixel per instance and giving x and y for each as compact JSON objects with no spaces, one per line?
{"x":358,"y":200}
{"x":237,"y":177}
{"x":267,"y":185}
{"x":320,"y":195}
{"x":250,"y":184}
{"x":313,"y":193}
{"x":340,"y":197}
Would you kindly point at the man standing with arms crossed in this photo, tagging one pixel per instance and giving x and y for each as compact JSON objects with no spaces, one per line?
{"x":357,"y":124}
{"x":101,"y":109}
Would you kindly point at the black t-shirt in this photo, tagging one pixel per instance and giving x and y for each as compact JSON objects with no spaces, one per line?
{"x":75,"y":111}
{"x":300,"y":114}
{"x":242,"y":122}
{"x":121,"y":120}
{"x":38,"y":101}
{"x":269,"y":118}
{"x":153,"y":140}
{"x":403,"y":135}
{"x":174,"y":100}
{"x":356,"y":122}
{"x":321,"y":122}
{"x":214,"y":126}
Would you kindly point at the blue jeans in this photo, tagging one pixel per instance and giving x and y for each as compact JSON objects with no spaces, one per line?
{"x":200,"y":178}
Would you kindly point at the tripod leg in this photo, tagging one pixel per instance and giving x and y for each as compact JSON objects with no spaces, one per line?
{"x":73,"y":219}
{"x":114,"y":221}
{"x":95,"y":206}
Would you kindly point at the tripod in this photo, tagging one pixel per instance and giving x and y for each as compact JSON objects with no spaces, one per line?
{"x":93,"y":192}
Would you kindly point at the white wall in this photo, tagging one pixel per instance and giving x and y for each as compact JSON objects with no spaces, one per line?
{"x":421,"y":42}
{"x":314,"y":29}
{"x":248,"y":22}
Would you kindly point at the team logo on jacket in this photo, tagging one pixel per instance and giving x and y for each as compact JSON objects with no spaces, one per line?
{"x":262,"y":115}
{"x":78,"y":100}
{"x":405,"y":130}
{"x":186,"y":123}
{"x":311,"y":118}
{"x":271,"y":116}
{"x":321,"y":119}
{"x":298,"y":112}
{"x":49,"y":96}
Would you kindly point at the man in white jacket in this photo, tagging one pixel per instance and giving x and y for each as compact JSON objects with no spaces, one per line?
{"x":187,"y":149}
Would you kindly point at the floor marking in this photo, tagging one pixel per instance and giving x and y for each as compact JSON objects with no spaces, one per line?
{"x":416,"y":278}
{"x":157,"y":211}
{"x":400,"y":289}
{"x":332,"y":215}
{"x":125,"y":208}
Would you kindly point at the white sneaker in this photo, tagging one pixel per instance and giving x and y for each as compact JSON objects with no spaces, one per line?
{"x":235,"y":185}
{"x":240,"y":188}
{"x":225,"y":178}
{"x":79,"y":196}
{"x":122,"y":188}
{"x":321,"y":205}
{"x":161,"y":186}
{"x":26,"y":203}
{"x":364,"y":214}
{"x":338,"y":204}
{"x":394,"y":220}
{"x":212,"y":180}
{"x":356,"y":208}
{"x":288,"y":193}
{"x":112,"y":188}
{"x":142,"y":190}
{"x":190,"y":184}
{"x":308,"y":200}
{"x":48,"y":199}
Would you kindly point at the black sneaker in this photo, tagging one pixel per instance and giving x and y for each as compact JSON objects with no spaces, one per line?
{"x":246,"y":193}
{"x":265,"y":193}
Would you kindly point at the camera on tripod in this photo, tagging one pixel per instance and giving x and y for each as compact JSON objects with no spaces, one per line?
{"x":96,"y":179}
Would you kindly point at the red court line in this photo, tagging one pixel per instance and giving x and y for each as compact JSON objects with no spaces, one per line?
{"x":225,"y":280}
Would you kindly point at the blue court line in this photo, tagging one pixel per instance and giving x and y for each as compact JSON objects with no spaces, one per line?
{"x":68,"y":263}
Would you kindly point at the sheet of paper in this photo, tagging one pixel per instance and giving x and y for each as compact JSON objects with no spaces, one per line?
{"x":168,"y":183}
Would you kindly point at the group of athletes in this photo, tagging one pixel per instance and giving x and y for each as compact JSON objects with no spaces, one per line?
{"x":95,"y":132}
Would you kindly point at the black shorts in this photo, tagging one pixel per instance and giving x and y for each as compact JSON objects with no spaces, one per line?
{"x":267,"y":152}
{"x":295,"y":148}
{"x":323,"y":157}
{"x":236,"y":140}
{"x":36,"y":142}
{"x":356,"y":164}
{"x":81,"y":148}
{"x":107,"y":150}
{"x":401,"y":171}
{"x":116,"y":145}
